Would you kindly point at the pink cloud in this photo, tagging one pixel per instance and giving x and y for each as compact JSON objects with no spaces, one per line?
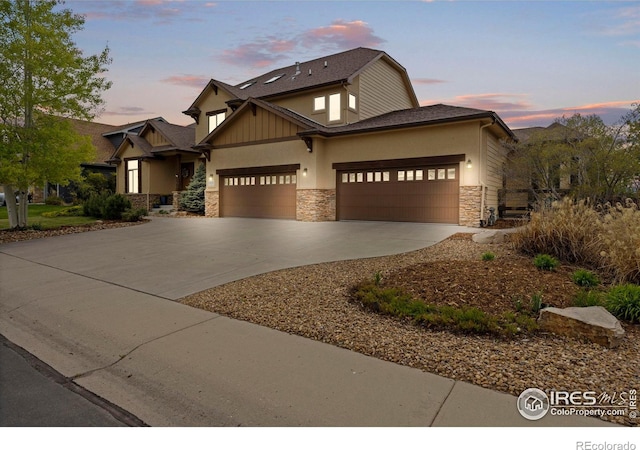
{"x":342,"y":35}
{"x":258,"y":54}
{"x":195,"y":81}
{"x":426,"y":81}
{"x":493,"y":101}
{"x":129,"y":111}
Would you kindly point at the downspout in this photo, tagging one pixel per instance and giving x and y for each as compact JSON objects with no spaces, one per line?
{"x":346,"y":104}
{"x":483,"y":184}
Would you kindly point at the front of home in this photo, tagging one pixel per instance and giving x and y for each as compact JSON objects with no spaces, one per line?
{"x":338,"y":138}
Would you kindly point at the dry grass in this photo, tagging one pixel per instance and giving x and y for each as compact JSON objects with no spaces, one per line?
{"x":605,"y":238}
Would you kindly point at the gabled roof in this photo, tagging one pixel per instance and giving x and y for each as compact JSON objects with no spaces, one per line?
{"x":298,"y":119}
{"x":338,"y":68}
{"x":126,"y":128}
{"x":329,"y":70}
{"x":179,"y":138}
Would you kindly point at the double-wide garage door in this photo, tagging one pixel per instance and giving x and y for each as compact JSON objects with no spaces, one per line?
{"x":407,"y":194}
{"x":261,"y":195}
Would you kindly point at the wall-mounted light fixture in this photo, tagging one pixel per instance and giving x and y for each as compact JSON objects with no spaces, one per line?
{"x":211,"y":177}
{"x":469,"y":164}
{"x":304,"y":172}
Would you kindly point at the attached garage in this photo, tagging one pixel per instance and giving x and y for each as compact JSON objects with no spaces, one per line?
{"x":262,"y":192}
{"x":411,"y":190}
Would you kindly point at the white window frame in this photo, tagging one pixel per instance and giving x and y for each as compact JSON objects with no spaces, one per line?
{"x":215,"y":118}
{"x":335,"y":107}
{"x":319,"y":104}
{"x":353,"y":104}
{"x":133,"y":176}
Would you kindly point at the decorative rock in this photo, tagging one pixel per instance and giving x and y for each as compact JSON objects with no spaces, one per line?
{"x":493,"y":236}
{"x":593,"y":323}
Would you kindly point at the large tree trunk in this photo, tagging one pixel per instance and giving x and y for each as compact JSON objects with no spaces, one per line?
{"x":12,"y":209}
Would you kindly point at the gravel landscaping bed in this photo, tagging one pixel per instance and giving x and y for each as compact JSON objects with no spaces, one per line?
{"x":26,"y":235}
{"x":314,"y":302}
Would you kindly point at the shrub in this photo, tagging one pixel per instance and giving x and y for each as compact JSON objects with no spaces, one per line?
{"x":623,"y":301}
{"x":71,"y":211}
{"x":192,"y":199}
{"x":134,"y":215}
{"x":545,"y":262}
{"x":605,"y":238}
{"x":585,"y":278}
{"x":488,"y":256}
{"x":93,"y":206}
{"x":588,"y":298}
{"x":536,"y":302}
{"x":53,"y":200}
{"x":114,"y":206}
{"x":395,"y":302}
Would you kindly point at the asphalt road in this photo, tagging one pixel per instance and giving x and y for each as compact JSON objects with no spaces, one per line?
{"x":32,"y":394}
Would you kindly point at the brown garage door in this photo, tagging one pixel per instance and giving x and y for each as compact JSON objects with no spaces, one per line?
{"x":409,"y":194}
{"x":267,"y":196}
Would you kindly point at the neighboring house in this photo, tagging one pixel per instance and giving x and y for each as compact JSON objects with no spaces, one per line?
{"x":155,"y":163}
{"x":338,"y":138}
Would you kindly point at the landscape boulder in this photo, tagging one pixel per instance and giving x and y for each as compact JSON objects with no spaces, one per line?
{"x":593,"y":323}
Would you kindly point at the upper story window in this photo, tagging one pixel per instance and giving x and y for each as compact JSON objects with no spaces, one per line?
{"x":216,"y":118}
{"x":334,"y":108}
{"x":352,"y":102}
{"x":319,"y":103}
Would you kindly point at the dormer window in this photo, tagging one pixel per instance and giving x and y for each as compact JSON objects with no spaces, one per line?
{"x":216,"y":118}
{"x":334,"y":108}
{"x":352,"y":102}
{"x":272,"y":79}
{"x":246,"y":85}
{"x":319,"y":104}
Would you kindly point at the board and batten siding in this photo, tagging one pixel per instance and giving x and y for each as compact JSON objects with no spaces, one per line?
{"x":259,"y":127}
{"x":382,"y":90}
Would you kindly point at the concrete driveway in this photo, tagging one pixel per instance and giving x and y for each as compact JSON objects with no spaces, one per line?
{"x":172,"y":258}
{"x":94,"y":306}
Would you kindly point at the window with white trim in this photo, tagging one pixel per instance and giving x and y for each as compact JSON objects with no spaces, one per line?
{"x":319,"y":104}
{"x":133,"y":176}
{"x":215,"y":119}
{"x":352,"y":101}
{"x":334,"y":108}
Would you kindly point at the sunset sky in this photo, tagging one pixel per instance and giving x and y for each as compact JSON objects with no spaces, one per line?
{"x":528,"y":61}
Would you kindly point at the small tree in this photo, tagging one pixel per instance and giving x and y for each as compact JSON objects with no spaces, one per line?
{"x":192,"y":199}
{"x":43,"y":75}
{"x":580,"y":155}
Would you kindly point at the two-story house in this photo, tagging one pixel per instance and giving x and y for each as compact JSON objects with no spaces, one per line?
{"x":343,"y":137}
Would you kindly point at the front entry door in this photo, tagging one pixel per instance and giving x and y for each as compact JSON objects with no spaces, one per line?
{"x":186,"y":173}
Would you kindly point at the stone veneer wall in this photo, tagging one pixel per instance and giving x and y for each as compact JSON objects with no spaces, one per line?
{"x":470,"y":204}
{"x":145,"y":201}
{"x":211,"y":204}
{"x":315,"y":205}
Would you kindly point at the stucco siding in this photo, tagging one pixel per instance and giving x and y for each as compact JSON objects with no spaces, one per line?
{"x":382,"y":90}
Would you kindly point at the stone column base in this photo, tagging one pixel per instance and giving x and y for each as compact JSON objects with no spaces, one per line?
{"x":211,"y":204}
{"x":470,"y":205}
{"x":316,"y":205}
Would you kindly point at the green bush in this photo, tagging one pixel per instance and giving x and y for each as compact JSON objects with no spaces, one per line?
{"x":114,"y":206}
{"x":585,"y":298}
{"x":545,"y":262}
{"x":134,"y":215}
{"x":395,"y":302}
{"x":93,"y":206}
{"x":585,"y":278}
{"x":54,"y":200}
{"x":623,"y":301}
{"x":488,"y":256}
